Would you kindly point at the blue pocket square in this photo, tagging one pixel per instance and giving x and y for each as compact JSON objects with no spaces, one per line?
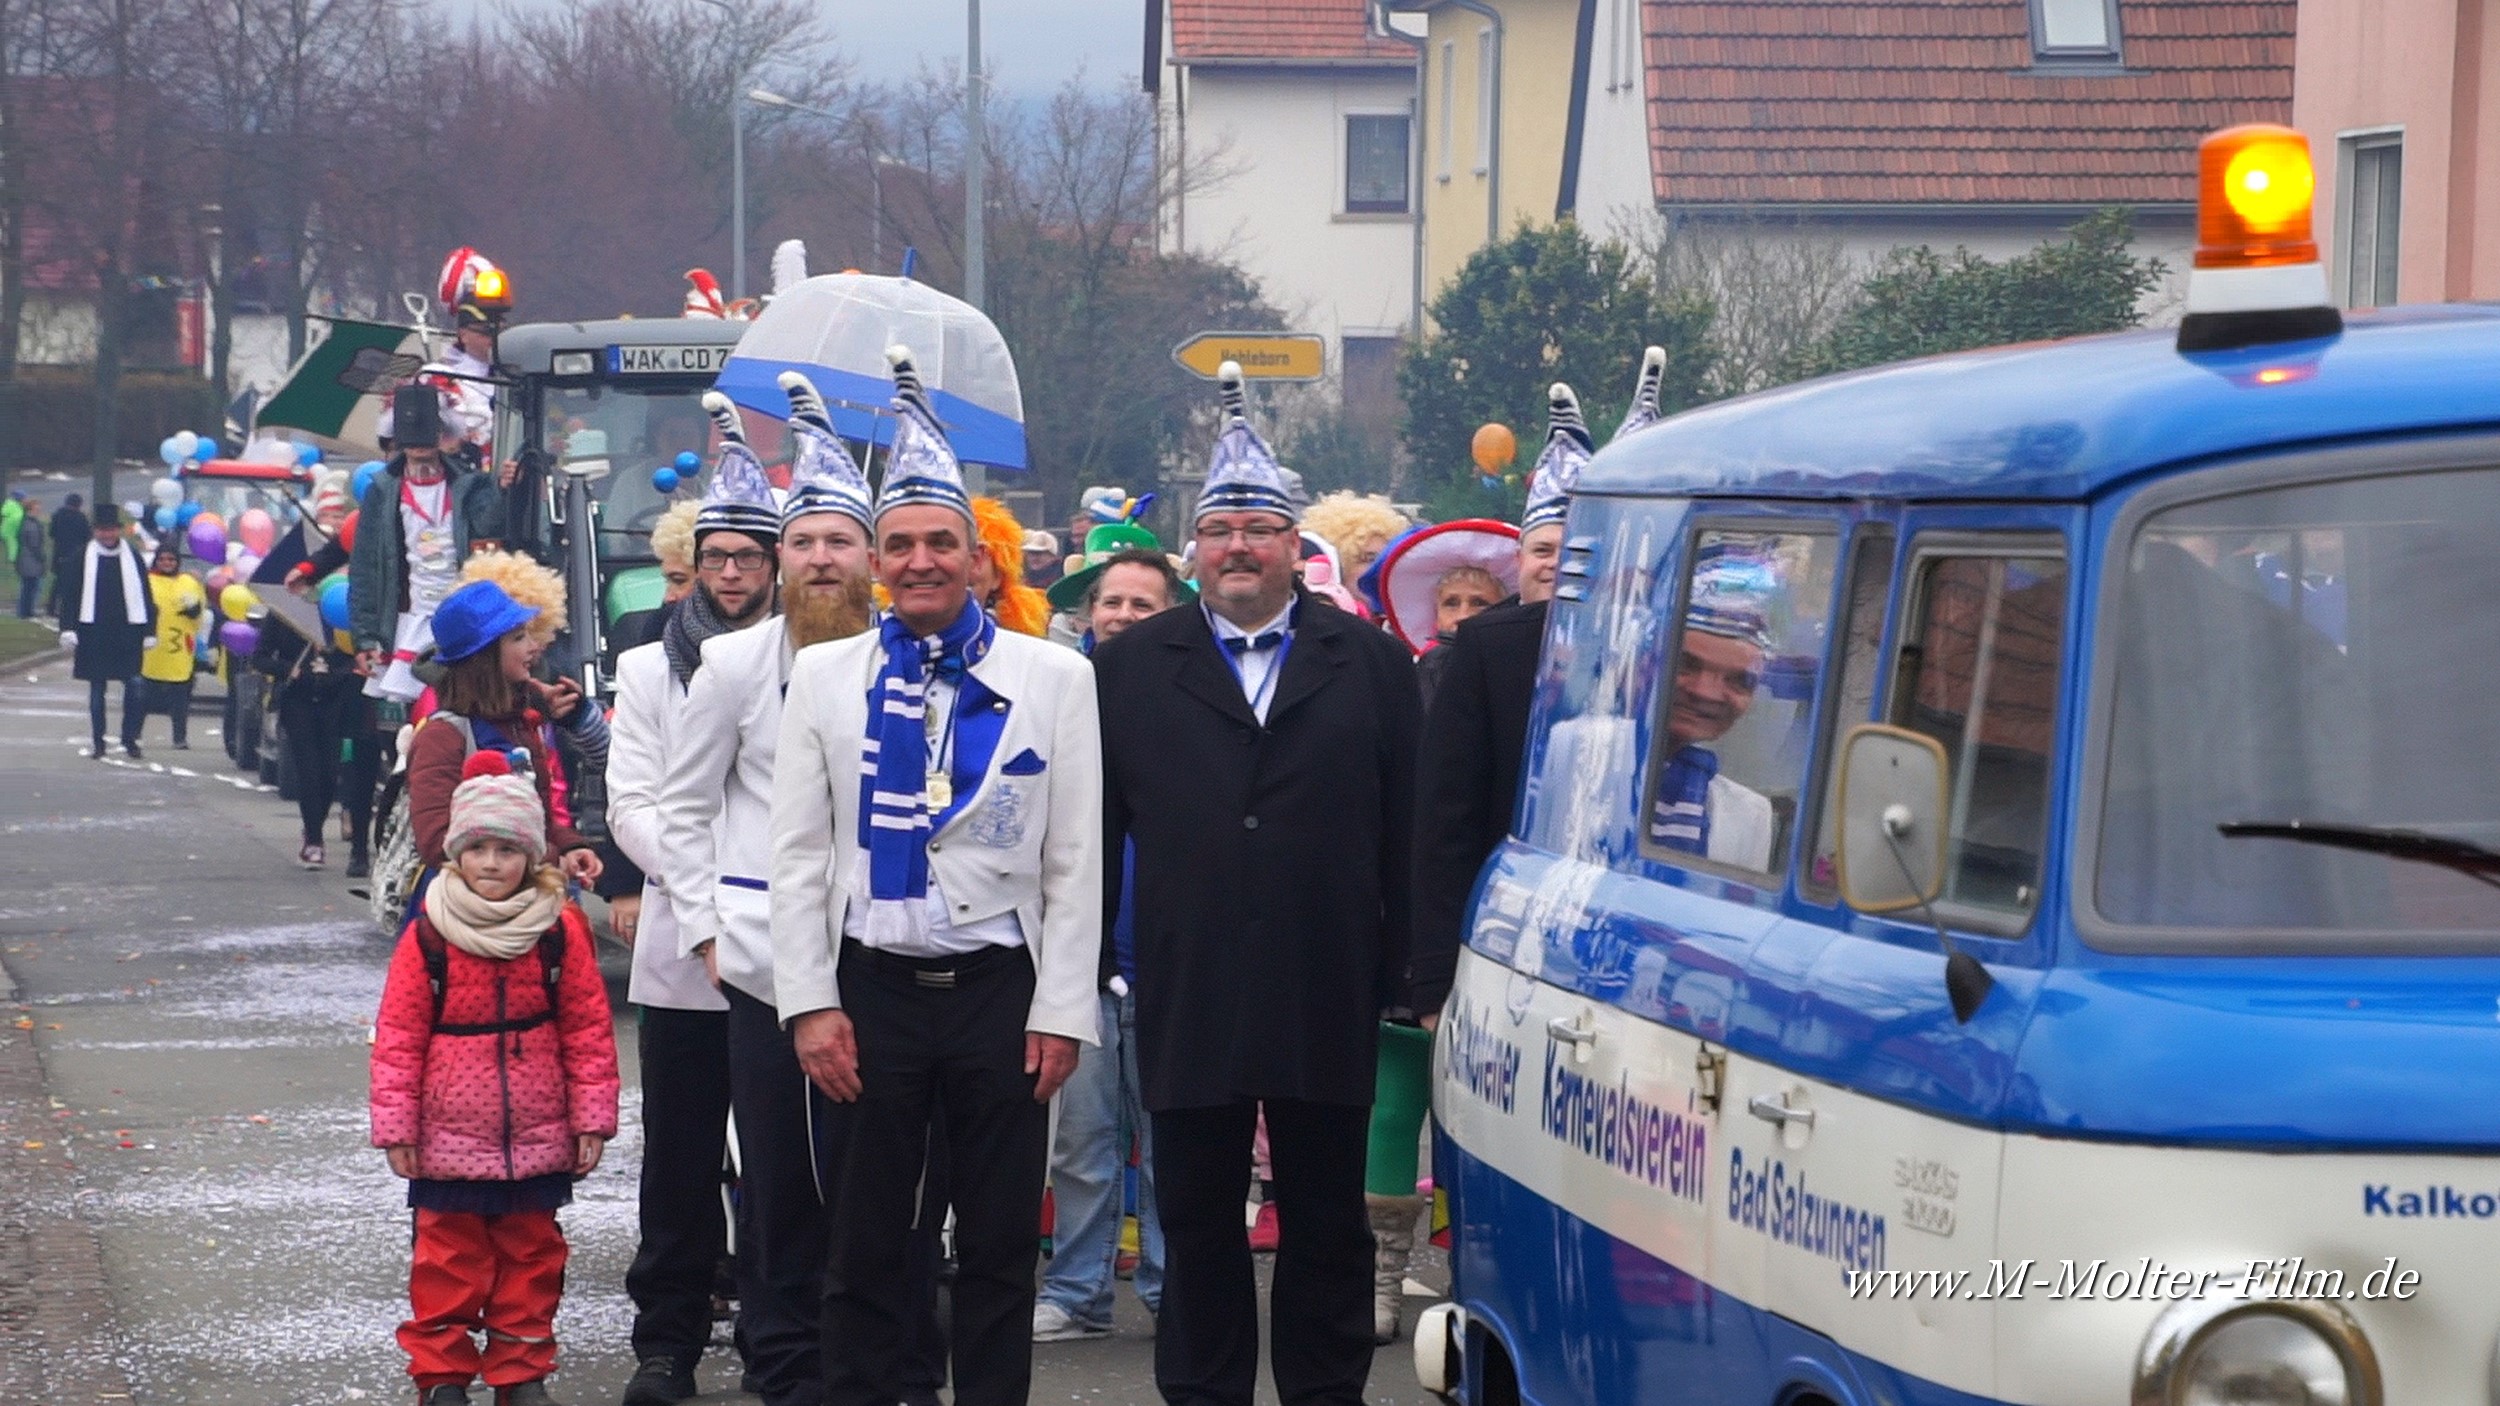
{"x":1026,"y":763}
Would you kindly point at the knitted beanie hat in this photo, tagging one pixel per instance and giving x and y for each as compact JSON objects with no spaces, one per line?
{"x":496,"y":801}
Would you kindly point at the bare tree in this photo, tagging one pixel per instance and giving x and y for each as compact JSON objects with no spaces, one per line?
{"x":1775,"y":286}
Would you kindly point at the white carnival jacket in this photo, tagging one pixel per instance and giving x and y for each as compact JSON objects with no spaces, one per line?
{"x":1028,"y":841}
{"x":716,"y":806}
{"x":641,"y":739}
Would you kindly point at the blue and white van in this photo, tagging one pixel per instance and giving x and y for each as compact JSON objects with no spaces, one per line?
{"x":2155,"y":675}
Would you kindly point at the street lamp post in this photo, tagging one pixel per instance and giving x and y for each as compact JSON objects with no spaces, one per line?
{"x":976,"y":159}
{"x":737,"y":173}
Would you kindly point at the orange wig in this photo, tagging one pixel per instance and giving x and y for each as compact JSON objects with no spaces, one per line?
{"x":1017,"y":606}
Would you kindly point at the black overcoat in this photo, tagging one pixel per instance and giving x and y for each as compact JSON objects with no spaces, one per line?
{"x":1272,"y":863}
{"x":109,"y":647}
{"x":1467,"y":780}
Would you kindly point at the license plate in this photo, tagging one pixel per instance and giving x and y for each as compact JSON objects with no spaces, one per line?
{"x":668,"y":361}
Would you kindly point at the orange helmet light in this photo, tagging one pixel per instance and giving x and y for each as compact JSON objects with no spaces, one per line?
{"x":2255,"y":188}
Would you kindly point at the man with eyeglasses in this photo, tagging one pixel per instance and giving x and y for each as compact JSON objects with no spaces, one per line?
{"x":1718,"y":671}
{"x":682,"y":1035}
{"x":1259,"y":754}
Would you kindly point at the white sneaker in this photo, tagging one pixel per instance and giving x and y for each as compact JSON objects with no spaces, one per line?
{"x":1053,"y":1324}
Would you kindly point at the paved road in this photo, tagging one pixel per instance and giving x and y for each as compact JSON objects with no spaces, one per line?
{"x":199,"y":1007}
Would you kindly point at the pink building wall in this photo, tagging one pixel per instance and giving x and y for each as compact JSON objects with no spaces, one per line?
{"x":2431,"y":67}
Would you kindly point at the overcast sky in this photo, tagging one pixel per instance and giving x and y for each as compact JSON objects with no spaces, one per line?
{"x":1031,"y":46}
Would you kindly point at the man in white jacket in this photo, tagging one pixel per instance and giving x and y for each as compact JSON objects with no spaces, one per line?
{"x":682,"y":1034}
{"x":937,"y":922}
{"x":716,"y":863}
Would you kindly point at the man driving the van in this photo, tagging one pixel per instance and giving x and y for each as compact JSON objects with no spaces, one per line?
{"x":1718,"y":669}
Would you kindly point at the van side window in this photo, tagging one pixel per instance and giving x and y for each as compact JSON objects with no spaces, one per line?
{"x":1979,"y":673}
{"x":1861,"y":664}
{"x":1727,"y":762}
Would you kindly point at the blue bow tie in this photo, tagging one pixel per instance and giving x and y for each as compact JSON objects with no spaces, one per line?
{"x":1237,"y":644}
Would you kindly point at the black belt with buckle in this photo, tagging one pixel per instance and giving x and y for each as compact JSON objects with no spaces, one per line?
{"x":931,"y":973}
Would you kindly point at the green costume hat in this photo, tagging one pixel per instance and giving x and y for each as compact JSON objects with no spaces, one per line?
{"x":1102,"y":542}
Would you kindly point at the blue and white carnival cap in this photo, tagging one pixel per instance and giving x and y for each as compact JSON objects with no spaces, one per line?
{"x":824,"y":478}
{"x":1731,"y":582}
{"x":1243,"y":475}
{"x":921,"y":467}
{"x":1567,"y":448}
{"x":1644,"y":411}
{"x":739,"y":497}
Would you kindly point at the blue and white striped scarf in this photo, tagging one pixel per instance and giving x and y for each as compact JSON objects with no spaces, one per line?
{"x":1679,"y":816}
{"x":894,"y":824}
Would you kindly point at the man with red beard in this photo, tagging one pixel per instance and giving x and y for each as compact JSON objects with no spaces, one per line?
{"x":715,"y":865}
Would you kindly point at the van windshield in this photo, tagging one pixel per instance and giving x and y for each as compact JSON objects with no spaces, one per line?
{"x":2317,"y":654}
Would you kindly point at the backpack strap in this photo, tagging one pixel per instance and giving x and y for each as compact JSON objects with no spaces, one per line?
{"x":437,"y":954}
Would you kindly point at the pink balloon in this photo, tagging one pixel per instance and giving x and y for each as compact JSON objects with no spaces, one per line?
{"x":256,"y":531}
{"x":219,"y":580}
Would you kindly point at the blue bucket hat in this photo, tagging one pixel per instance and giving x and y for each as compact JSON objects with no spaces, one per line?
{"x":474,"y":617}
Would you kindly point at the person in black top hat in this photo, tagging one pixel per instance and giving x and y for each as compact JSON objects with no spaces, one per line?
{"x":418,"y":522}
{"x":110,"y":624}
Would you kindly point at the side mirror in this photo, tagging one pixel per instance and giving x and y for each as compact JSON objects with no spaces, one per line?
{"x":1892,"y":818}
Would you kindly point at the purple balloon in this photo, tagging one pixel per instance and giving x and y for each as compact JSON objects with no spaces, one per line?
{"x":238,"y":638}
{"x":208,"y":540}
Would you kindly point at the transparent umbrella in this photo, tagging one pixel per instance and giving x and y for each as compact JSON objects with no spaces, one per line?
{"x":835,"y":328}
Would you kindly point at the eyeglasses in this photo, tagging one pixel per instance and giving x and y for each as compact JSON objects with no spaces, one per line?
{"x":1260,"y":535}
{"x":752,"y":559}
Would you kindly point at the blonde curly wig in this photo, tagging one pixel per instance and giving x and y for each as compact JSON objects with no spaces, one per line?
{"x":1358,"y":525}
{"x":672,"y":537}
{"x":525,"y":581}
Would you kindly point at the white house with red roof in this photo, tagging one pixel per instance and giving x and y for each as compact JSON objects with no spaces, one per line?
{"x":1993,"y":124}
{"x":1288,"y":149}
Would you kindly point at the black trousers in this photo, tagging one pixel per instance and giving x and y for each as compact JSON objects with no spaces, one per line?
{"x":322,"y":715}
{"x":685,"y":1133}
{"x":1207,"y":1336}
{"x":941,"y":1047}
{"x":133,"y":711}
{"x":149,"y":697}
{"x":781,"y":1218}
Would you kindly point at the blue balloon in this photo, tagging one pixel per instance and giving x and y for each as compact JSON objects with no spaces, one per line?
{"x":687,"y":461}
{"x":664,"y":480}
{"x":334,"y":604}
{"x":165,"y":519}
{"x":366,"y":473}
{"x":166,"y":451}
{"x":184,"y":514}
{"x":308,"y":455}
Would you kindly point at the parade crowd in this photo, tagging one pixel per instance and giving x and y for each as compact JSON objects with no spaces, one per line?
{"x":907,"y":847}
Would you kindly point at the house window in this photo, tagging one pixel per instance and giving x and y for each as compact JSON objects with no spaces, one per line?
{"x":2372,"y":200}
{"x":1449,"y":84}
{"x":1487,"y":76}
{"x":1375,"y":164}
{"x":2065,"y":31}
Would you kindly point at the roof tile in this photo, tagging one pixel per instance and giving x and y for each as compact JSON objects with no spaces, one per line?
{"x":1282,"y":31}
{"x":1931,"y":101}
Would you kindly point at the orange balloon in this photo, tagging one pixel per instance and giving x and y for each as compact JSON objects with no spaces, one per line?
{"x":1494,"y":447}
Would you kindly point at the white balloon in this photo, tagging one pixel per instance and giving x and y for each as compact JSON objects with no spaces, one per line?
{"x":166,"y":491}
{"x":186,"y":444}
{"x":234,"y":552}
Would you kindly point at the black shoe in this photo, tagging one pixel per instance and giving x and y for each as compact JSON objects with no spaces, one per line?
{"x":359,"y":865}
{"x":444,"y":1396}
{"x":659,"y":1381}
{"x":96,"y":749}
{"x":131,"y":750}
{"x":524,"y":1394}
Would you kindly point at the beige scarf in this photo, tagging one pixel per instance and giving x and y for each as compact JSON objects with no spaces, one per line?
{"x":497,"y":929}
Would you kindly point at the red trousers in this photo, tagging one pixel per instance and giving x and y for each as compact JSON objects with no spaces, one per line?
{"x":502,"y":1275}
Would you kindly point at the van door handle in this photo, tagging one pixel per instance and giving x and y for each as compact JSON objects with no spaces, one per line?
{"x":1773,"y":1108}
{"x":1570,"y":1031}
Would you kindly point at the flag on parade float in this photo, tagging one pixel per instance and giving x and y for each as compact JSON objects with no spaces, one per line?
{"x":339,"y":390}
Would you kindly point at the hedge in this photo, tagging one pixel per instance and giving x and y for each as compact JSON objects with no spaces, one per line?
{"x":47,"y":414}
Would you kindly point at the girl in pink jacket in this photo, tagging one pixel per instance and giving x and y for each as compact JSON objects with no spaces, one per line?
{"x":494,"y":1087}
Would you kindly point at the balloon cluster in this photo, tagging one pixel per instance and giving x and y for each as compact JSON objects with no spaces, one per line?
{"x":668,"y":476}
{"x":184,"y":447}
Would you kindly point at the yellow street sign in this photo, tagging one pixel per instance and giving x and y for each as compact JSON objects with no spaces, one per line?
{"x":1264,"y":356}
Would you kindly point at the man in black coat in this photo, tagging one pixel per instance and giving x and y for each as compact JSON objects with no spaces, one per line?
{"x":70,"y":531}
{"x":1259,"y":754}
{"x":110,"y":622}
